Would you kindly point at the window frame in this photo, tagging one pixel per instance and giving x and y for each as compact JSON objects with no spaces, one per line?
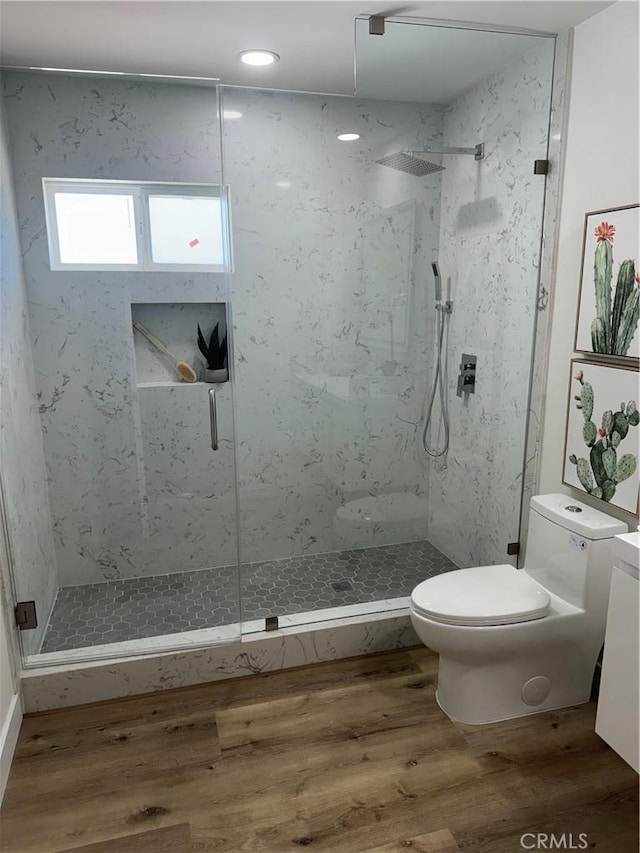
{"x":140,"y":191}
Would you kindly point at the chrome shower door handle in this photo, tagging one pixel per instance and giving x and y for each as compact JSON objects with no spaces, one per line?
{"x":213,"y":419}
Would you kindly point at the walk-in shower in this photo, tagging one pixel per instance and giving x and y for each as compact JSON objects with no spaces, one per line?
{"x":320,"y":501}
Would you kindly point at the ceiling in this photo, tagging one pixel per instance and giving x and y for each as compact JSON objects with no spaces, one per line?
{"x":315,"y":40}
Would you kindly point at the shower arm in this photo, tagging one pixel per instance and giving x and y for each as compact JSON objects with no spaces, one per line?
{"x":477,"y":150}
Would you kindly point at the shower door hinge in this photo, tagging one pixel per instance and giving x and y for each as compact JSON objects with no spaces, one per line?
{"x":540,"y":167}
{"x":26,"y":618}
{"x":513,"y":548}
{"x":376,"y":25}
{"x":271,"y":623}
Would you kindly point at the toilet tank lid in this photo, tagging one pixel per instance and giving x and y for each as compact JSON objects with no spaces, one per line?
{"x":577,"y":517}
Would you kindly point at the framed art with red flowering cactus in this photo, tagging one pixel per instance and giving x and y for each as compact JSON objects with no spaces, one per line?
{"x":609,"y":304}
{"x":601,"y":438}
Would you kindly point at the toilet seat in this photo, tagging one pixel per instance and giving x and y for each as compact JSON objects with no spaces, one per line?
{"x":483,"y":595}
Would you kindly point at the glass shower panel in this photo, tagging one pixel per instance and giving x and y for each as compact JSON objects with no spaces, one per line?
{"x":134,"y":538}
{"x":329,"y":295}
{"x":496,"y":93}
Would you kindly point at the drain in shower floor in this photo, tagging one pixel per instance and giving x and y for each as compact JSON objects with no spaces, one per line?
{"x":341,"y":586}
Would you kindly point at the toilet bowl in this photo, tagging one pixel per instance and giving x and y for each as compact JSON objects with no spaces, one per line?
{"x":380,"y":519}
{"x":514,"y":642}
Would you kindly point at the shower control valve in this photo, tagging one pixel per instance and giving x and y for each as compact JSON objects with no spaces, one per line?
{"x":467,"y":375}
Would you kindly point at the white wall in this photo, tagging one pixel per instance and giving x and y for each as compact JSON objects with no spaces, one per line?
{"x":601,"y":171}
{"x":10,"y":707}
{"x":10,"y":700}
{"x":7,"y":690}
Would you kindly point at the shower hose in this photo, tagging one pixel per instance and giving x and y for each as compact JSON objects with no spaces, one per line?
{"x":439,"y":384}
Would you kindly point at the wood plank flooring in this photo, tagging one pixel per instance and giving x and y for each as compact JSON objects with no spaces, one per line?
{"x":343,"y":757}
{"x":168,"y":839}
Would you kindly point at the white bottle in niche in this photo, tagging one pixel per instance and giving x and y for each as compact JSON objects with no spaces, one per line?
{"x":220,"y":375}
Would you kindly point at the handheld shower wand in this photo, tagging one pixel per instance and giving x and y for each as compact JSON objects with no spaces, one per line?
{"x":438,"y":280}
{"x":440,"y":379}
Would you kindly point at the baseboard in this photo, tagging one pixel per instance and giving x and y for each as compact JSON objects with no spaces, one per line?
{"x":8,"y":740}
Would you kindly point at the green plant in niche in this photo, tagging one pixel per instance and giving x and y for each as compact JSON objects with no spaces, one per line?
{"x":214,"y":352}
{"x":613,"y":328}
{"x":603,"y":470}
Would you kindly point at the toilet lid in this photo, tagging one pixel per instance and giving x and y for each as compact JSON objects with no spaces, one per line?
{"x":484,"y":595}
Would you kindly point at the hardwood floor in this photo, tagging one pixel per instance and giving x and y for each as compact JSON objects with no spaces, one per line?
{"x":343,"y":757}
{"x":167,"y":839}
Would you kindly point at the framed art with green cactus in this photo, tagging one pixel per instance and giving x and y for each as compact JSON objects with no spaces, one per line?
{"x":609,"y":305}
{"x":601,"y":443}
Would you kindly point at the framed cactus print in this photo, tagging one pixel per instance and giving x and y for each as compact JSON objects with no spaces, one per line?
{"x":601,"y":442}
{"x":609,"y":304}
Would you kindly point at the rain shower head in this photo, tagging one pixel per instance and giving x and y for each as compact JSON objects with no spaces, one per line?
{"x":405,"y":162}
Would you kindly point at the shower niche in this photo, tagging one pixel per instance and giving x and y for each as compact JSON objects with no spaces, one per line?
{"x":175,"y":325}
{"x":186,"y":491}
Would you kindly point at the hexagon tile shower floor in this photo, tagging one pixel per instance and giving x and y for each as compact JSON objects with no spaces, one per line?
{"x":131,"y":609}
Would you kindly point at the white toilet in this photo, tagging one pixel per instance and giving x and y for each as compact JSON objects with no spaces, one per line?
{"x":516,"y":642}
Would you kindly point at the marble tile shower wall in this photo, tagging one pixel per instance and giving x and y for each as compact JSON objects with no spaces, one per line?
{"x":332,"y":337}
{"x":21,"y":450}
{"x":132,"y":480}
{"x":489,"y":244}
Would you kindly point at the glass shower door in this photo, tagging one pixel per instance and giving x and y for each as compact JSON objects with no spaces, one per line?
{"x":124,"y":534}
{"x":328,"y":294}
{"x":342,"y":510}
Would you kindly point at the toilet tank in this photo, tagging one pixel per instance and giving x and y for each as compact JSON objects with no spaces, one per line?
{"x":570,"y":550}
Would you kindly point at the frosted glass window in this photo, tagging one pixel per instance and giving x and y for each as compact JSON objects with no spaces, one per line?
{"x":138,"y":226}
{"x":185,"y":229}
{"x":96,"y":228}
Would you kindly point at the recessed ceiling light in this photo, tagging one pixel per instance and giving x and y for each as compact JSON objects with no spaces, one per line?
{"x":258,"y":57}
{"x":284,"y":185}
{"x":231,"y":114}
{"x":348,"y":137}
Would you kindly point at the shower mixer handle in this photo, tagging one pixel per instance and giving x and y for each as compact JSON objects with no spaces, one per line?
{"x":467,"y":375}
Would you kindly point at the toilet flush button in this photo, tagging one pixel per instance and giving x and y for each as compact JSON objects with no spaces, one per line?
{"x":536,"y":690}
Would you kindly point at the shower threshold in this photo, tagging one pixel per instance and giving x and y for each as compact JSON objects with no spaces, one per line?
{"x":203,"y":604}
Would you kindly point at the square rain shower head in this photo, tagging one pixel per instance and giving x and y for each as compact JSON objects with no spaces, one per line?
{"x":411,"y":165}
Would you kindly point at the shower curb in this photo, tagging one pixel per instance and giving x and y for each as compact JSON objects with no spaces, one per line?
{"x":46,"y":689}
